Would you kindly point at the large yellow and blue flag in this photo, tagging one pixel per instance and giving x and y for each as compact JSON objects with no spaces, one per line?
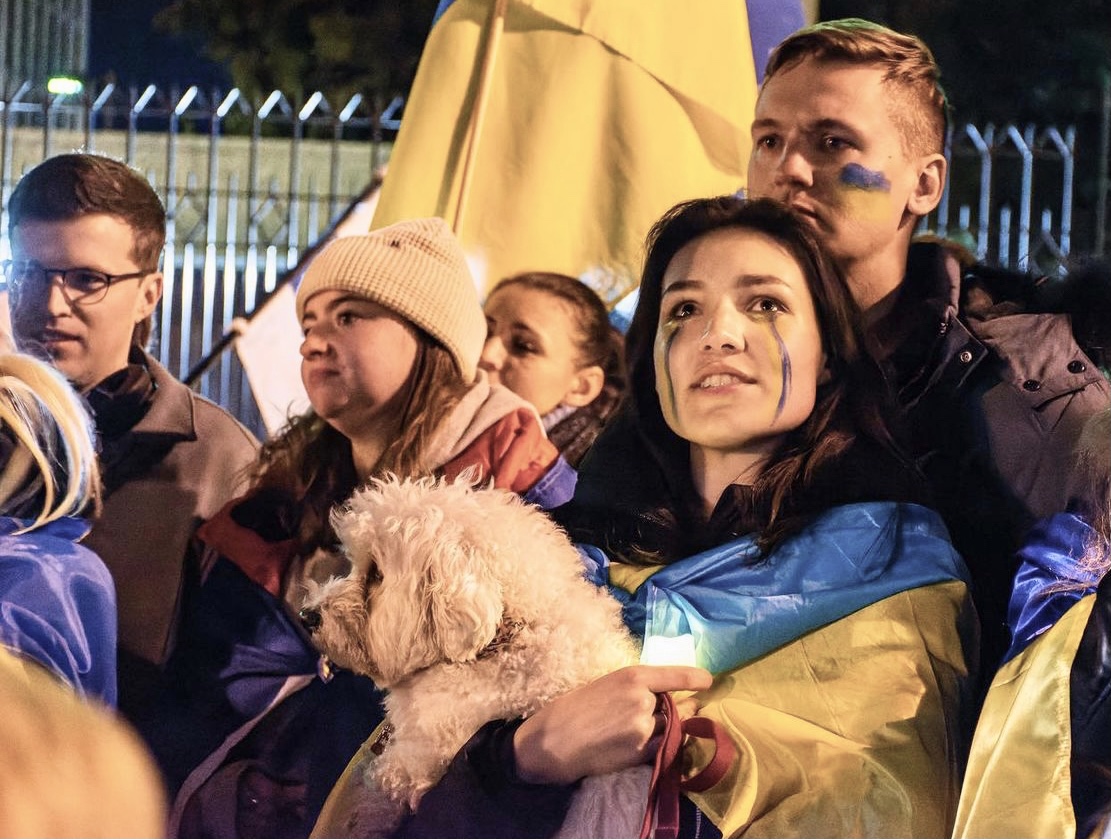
{"x":551,"y":133}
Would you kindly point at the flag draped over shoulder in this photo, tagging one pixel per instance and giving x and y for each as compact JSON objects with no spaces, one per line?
{"x":551,"y":134}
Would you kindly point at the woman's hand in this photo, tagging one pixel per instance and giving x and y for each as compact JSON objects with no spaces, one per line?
{"x":612,"y":723}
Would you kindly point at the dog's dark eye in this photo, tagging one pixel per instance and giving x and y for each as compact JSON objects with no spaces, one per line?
{"x":373,"y":575}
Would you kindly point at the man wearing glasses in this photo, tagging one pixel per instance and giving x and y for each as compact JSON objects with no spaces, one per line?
{"x":87,"y":232}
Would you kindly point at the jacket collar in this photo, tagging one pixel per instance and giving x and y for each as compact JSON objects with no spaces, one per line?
{"x":172,"y":413}
{"x":169,"y":420}
{"x":482,"y":406}
{"x":937,"y":351}
{"x":957,"y":315}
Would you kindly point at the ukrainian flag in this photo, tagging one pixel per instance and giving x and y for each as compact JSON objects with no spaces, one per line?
{"x":551,"y":133}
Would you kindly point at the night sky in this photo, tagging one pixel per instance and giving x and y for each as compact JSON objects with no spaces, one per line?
{"x":124,"y":46}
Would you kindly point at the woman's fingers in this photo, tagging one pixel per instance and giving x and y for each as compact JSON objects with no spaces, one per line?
{"x":612,"y":723}
{"x":671,"y":677}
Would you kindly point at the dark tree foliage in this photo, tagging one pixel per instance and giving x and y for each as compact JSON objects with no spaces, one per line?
{"x":339,"y":47}
{"x":1022,"y":60}
{"x":1036,"y":62}
{"x":1006,"y":60}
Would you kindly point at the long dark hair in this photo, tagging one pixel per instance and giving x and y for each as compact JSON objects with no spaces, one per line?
{"x":308,"y":467}
{"x":845,"y":451}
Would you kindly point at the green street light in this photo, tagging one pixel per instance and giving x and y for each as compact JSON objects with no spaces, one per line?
{"x":64,"y":85}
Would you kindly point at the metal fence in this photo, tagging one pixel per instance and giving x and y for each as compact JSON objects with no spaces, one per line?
{"x":43,"y":38}
{"x":269,"y":172}
{"x":1003,"y":213}
{"x":248,"y":185}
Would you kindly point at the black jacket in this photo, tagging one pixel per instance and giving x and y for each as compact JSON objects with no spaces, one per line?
{"x":1090,"y":708}
{"x":995,"y":392}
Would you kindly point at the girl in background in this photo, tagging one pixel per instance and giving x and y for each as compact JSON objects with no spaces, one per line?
{"x":550,"y":341}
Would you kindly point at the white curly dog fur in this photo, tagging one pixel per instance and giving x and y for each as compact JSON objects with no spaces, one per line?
{"x":467,"y":605}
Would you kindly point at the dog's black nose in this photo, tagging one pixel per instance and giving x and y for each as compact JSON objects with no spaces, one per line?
{"x":310,"y":619}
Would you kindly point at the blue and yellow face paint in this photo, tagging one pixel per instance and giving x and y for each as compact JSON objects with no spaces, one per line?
{"x":785,"y":367}
{"x":666,"y":334}
{"x":860,"y":177}
{"x":866,"y":193}
{"x":769,"y":318}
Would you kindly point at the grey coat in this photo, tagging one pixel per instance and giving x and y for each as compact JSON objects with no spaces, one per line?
{"x":176,"y":467}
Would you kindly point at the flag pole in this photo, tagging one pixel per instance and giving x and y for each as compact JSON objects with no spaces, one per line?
{"x":201,"y":367}
{"x":478,"y":112}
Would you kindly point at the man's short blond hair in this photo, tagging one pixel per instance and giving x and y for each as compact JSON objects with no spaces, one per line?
{"x":919,"y":106}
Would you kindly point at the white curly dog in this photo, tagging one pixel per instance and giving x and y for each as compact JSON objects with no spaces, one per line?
{"x":467,"y":605}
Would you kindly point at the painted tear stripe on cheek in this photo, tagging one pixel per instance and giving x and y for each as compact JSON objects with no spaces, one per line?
{"x":670,"y":331}
{"x":785,"y":364}
{"x":860,"y":177}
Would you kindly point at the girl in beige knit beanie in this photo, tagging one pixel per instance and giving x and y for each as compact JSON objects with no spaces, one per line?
{"x":393,"y":331}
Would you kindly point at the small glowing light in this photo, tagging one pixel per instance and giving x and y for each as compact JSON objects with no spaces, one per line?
{"x":64,"y":85}
{"x":661,"y":650}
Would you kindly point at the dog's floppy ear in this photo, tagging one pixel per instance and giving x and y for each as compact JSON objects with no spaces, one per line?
{"x":463,"y":603}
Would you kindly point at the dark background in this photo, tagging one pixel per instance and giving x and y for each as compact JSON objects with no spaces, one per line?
{"x":1003,"y":61}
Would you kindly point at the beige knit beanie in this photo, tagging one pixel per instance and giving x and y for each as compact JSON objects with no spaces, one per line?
{"x":415,"y":268}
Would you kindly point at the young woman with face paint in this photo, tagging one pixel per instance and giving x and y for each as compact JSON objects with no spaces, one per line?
{"x":750,"y":386}
{"x":823,"y":609}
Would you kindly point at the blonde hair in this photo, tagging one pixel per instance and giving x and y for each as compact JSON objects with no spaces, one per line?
{"x":921,"y":112}
{"x":70,"y":767}
{"x":50,"y":467}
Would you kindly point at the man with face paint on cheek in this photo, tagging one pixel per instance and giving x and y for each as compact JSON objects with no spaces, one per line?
{"x":996,"y":381}
{"x":849,"y":131}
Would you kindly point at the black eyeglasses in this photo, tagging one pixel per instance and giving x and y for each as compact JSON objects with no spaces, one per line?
{"x":80,"y":285}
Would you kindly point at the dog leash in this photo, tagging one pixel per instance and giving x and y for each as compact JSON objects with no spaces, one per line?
{"x":667,"y":780}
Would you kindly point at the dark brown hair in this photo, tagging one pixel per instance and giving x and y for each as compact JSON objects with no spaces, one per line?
{"x":851,"y":408}
{"x":596,"y":341}
{"x":308,"y":468}
{"x":918,"y":104}
{"x":72,"y":185}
